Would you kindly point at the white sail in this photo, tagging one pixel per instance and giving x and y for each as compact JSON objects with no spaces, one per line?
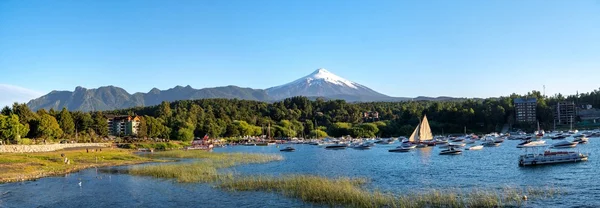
{"x":415,"y":135}
{"x":425,"y":131}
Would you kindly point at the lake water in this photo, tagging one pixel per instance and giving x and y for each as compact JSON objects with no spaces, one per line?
{"x":422,"y":169}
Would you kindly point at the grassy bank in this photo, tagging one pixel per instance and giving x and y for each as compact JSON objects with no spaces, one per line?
{"x":348,"y":192}
{"x":205,"y":170}
{"x":27,"y":166}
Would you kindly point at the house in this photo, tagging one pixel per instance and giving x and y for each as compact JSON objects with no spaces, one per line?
{"x":371,"y":116}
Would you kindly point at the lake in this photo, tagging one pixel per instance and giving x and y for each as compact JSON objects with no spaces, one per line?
{"x":422,"y":169}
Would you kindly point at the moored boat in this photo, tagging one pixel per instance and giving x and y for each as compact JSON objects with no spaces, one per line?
{"x":475,"y":147}
{"x":451,"y":151}
{"x":336,"y":146}
{"x":564,"y":144}
{"x":581,"y":140}
{"x":400,"y":149}
{"x":288,"y":149}
{"x":549,"y":157}
{"x":531,"y":143}
{"x":363,"y":146}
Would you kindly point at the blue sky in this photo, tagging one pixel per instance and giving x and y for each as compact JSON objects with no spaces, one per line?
{"x":399,"y":48}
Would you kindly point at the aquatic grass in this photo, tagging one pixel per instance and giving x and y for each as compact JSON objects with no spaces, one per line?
{"x":205,"y":170}
{"x":237,"y":158}
{"x":27,"y":166}
{"x":335,"y":192}
{"x":348,"y":192}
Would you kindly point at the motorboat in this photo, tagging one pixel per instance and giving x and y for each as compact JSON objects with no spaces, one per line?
{"x":475,"y":147}
{"x":491,"y":143}
{"x":564,"y":144}
{"x":288,"y":149}
{"x":470,"y":141}
{"x":531,"y":143}
{"x":408,"y":145}
{"x":558,"y":136}
{"x":336,"y":146}
{"x":422,"y":145}
{"x":386,"y":141}
{"x":451,"y":151}
{"x":531,"y":157}
{"x":581,"y":140}
{"x":400,"y":149}
{"x":441,"y":142}
{"x":363,"y":146}
{"x":453,"y":145}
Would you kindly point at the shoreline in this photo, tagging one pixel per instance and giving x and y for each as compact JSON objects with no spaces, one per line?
{"x":18,"y":167}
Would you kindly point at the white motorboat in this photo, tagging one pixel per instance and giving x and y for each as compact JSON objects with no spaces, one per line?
{"x":451,"y":151}
{"x":400,"y":149}
{"x":531,"y":143}
{"x":564,"y":144}
{"x":408,"y":145}
{"x":363,"y":146}
{"x":581,"y":140}
{"x":531,"y":157}
{"x":475,"y":147}
{"x":490,"y":143}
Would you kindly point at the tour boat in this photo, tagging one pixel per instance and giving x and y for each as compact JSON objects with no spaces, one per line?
{"x":288,"y":149}
{"x":564,"y":144}
{"x":531,"y":143}
{"x":451,"y":151}
{"x":550,"y":157}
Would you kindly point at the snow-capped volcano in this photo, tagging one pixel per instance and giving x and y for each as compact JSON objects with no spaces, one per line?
{"x":323,"y":83}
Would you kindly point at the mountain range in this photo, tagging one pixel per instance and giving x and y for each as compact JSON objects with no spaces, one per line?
{"x":320,"y":83}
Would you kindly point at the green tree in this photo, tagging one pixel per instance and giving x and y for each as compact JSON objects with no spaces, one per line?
{"x":66,"y":123}
{"x":83,"y":121}
{"x":318,"y":134}
{"x":48,"y":127}
{"x":6,"y":111}
{"x":11,"y":130}
{"x":100,"y":125}
{"x":143,"y":131}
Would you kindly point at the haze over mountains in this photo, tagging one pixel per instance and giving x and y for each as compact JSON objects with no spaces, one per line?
{"x":320,"y":83}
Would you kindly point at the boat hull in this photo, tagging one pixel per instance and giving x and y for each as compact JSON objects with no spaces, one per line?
{"x":570,"y":158}
{"x":451,"y":153}
{"x":399,"y":150}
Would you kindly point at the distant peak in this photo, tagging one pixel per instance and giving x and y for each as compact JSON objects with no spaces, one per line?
{"x":321,"y":70}
{"x":154,"y":90}
{"x":80,"y":88}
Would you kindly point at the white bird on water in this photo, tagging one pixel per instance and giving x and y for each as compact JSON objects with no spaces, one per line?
{"x":80,"y":183}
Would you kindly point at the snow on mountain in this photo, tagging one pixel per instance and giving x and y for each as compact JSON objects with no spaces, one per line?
{"x":323,"y":83}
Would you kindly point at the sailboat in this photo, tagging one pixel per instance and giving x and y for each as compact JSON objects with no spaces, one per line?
{"x":539,"y":132}
{"x":422,"y":135}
